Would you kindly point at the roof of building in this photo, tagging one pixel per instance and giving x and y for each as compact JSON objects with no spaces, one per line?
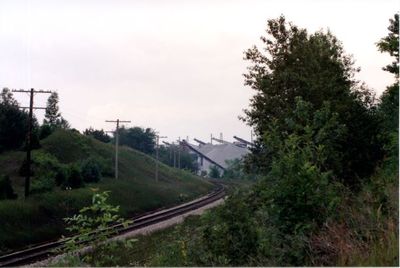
{"x":219,"y":153}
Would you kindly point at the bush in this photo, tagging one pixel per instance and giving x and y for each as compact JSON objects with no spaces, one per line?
{"x":43,"y":184}
{"x":91,"y":171}
{"x":214,"y":172}
{"x":74,"y":177}
{"x":61,"y":175}
{"x":45,"y":131}
{"x":105,"y":165}
{"x":6,"y":190}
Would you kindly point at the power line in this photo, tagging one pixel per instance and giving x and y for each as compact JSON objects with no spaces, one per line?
{"x":116,"y":134}
{"x":29,"y":135}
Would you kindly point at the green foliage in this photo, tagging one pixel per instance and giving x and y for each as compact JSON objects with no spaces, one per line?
{"x":92,"y":224}
{"x":13,"y":122}
{"x":52,"y":110}
{"x":74,"y":177}
{"x":40,"y":219}
{"x":188,"y":161}
{"x":314,"y":67}
{"x":6,"y":189}
{"x":91,"y":170}
{"x":390,"y":44}
{"x":42,"y":184}
{"x":45,"y":131}
{"x":236,"y":170}
{"x":138,"y":138}
{"x":214,"y":172}
{"x":388,"y":109}
{"x":100,"y":135}
{"x":271,"y":223}
{"x":233,"y":237}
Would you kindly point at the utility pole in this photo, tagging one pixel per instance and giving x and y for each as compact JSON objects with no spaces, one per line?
{"x":29,"y":134}
{"x":179,"y":152}
{"x":174,"y":154}
{"x":158,"y":145}
{"x":116,"y":142}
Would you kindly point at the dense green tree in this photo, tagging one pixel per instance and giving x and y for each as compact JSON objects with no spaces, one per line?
{"x":13,"y":122}
{"x":6,"y":190}
{"x":389,"y":101}
{"x":188,"y":161}
{"x":214,"y":172}
{"x":390,"y":44}
{"x":63,"y":123}
{"x":236,"y":170}
{"x":315,"y":67}
{"x":270,"y":224}
{"x":52,"y":110}
{"x":53,"y":116}
{"x":7,"y":98}
{"x":100,"y":135}
{"x":138,"y":138}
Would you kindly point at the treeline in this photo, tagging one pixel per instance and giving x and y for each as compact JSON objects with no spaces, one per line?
{"x":327,"y":151}
{"x":14,"y":122}
{"x":144,"y":140}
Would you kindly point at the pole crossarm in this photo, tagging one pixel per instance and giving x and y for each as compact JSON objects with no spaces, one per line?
{"x":25,"y":107}
{"x":29,"y":91}
{"x":116,"y":121}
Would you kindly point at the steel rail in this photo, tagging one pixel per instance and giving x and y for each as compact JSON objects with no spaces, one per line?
{"x":46,"y":250}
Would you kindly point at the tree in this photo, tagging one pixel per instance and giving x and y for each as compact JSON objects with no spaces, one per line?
{"x":100,"y":135}
{"x":389,"y":101}
{"x":7,"y":98}
{"x":63,"y":123}
{"x":138,"y":138}
{"x":390,"y":44}
{"x":6,"y":190}
{"x":52,"y":110}
{"x":52,"y":116}
{"x":13,"y":122}
{"x":188,"y":160}
{"x":315,"y":67}
{"x":214,"y":172}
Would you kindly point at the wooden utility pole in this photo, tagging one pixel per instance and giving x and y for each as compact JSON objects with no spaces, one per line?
{"x":179,"y":152}
{"x":29,"y":134}
{"x":116,"y":135}
{"x":157,"y":147}
{"x":174,"y":154}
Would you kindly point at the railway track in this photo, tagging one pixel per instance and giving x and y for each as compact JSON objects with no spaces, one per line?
{"x":46,"y":250}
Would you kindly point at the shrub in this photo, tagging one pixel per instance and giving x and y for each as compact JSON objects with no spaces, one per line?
{"x":61,"y":175}
{"x":214,"y":172}
{"x":92,"y":224}
{"x":105,"y":165}
{"x":74,"y":177}
{"x":6,"y":190}
{"x":90,"y":169}
{"x":44,"y":183}
{"x":45,"y":131}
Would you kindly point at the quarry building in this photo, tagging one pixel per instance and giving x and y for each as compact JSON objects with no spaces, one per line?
{"x":217,"y":155}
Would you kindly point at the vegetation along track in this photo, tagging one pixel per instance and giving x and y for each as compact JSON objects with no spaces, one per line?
{"x":45,"y":250}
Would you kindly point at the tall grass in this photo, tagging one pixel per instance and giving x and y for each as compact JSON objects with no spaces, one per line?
{"x":39,"y":218}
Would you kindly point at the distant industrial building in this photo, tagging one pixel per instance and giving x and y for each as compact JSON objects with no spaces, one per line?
{"x":209,"y":154}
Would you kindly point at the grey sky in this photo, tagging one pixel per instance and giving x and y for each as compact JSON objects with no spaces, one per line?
{"x":175,"y":66}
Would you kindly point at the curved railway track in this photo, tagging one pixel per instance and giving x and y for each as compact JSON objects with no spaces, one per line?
{"x":46,"y":250}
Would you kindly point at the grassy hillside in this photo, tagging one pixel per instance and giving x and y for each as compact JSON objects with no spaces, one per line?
{"x":39,"y":218}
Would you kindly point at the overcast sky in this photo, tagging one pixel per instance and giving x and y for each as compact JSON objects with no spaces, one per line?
{"x":175,"y":66}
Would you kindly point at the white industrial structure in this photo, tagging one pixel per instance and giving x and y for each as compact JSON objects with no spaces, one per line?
{"x":217,"y":155}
